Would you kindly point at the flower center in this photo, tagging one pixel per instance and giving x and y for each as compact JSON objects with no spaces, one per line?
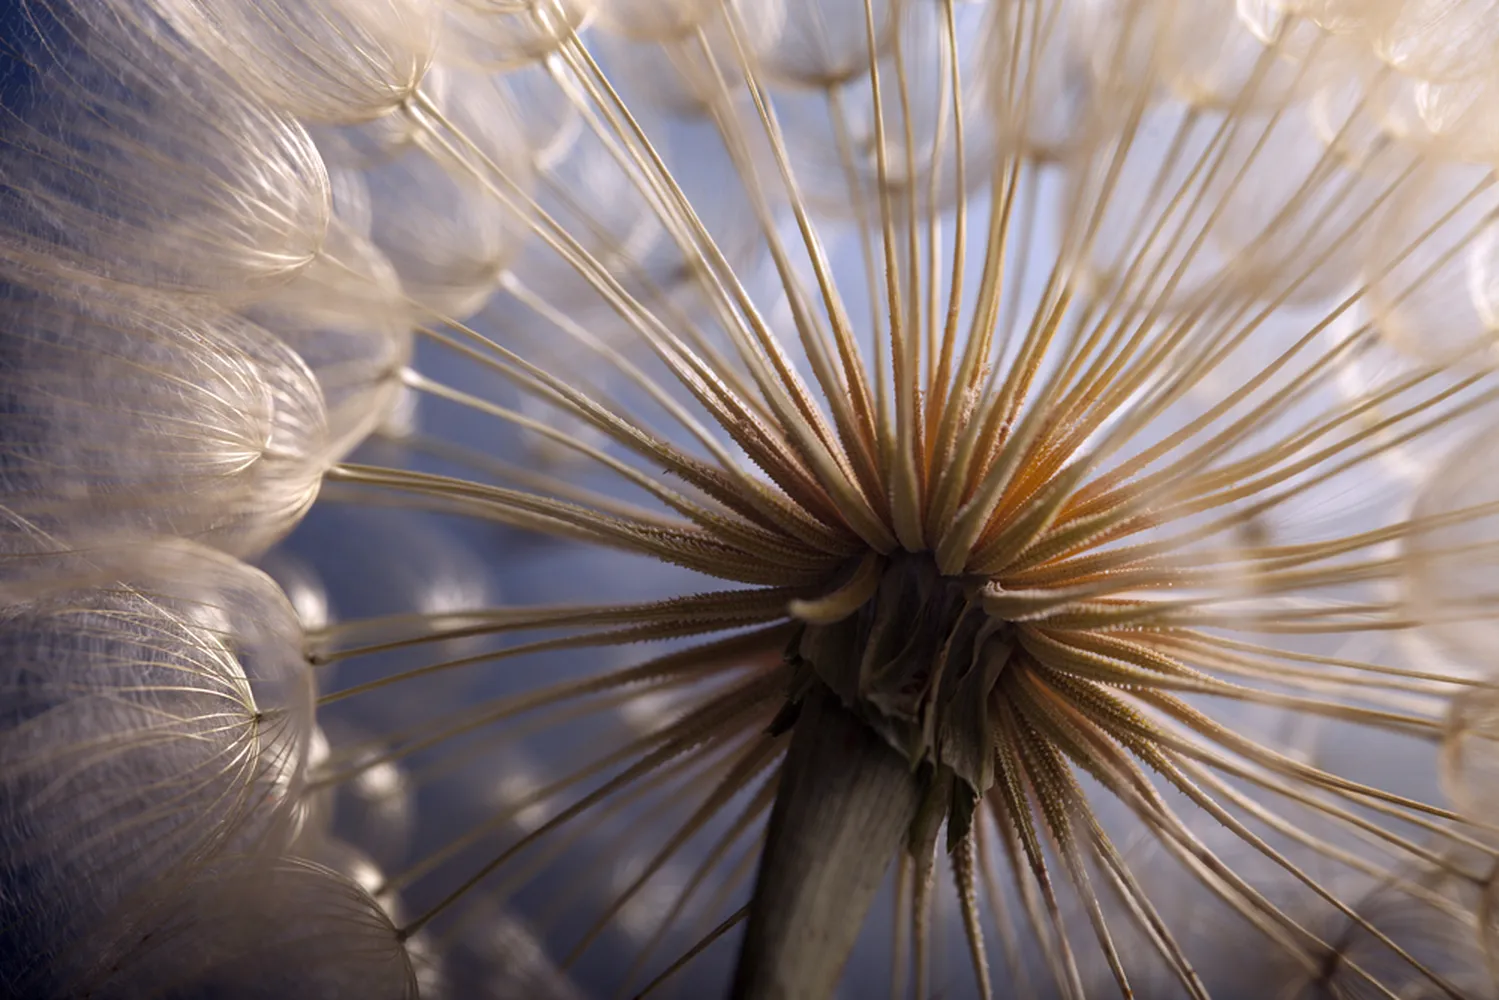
{"x":916,"y":662}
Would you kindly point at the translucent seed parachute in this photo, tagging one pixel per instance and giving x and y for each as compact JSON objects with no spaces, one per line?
{"x":210,"y":427}
{"x":150,"y":724}
{"x":137,"y":162}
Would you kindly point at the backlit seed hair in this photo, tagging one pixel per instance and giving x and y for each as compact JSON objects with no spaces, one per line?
{"x":129,"y":419}
{"x":150,"y":725}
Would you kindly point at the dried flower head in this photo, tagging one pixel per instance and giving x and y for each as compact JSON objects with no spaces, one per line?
{"x":1021,"y":519}
{"x":1067,"y":401}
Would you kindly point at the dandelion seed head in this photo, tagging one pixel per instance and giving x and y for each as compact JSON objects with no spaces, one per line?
{"x":1055,"y":411}
{"x":1025,"y":527}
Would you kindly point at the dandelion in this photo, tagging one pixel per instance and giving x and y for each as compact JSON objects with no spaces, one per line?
{"x":1024,"y":535}
{"x":1056,"y":406}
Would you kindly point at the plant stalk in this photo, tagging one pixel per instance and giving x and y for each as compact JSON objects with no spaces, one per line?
{"x":842,"y":813}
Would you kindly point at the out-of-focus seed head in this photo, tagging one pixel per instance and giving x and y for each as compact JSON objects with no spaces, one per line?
{"x":329,"y":61}
{"x":128,"y":419}
{"x":243,"y":929}
{"x":142,"y":166}
{"x":506,"y":34}
{"x":149,"y":725}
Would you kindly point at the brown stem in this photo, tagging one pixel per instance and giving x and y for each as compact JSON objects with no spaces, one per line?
{"x":842,"y":814}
